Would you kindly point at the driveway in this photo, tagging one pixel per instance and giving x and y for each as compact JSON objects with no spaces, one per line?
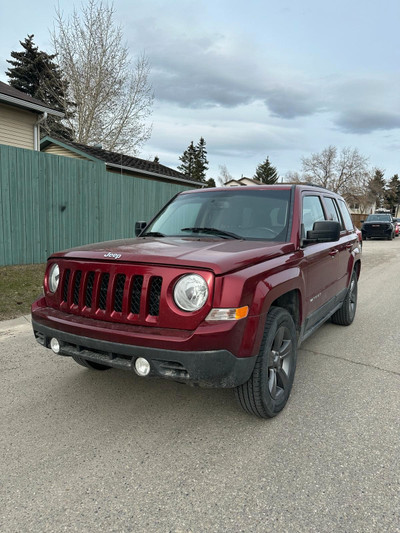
{"x":108,"y":451}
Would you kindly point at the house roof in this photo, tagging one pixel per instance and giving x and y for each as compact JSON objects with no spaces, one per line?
{"x":12,"y":96}
{"x":120,"y":161}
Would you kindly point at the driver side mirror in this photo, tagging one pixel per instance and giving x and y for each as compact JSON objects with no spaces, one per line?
{"x":323,"y":231}
{"x":139,"y":227}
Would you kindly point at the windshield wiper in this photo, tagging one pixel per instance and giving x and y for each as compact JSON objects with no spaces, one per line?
{"x":214,"y":231}
{"x":153,"y":234}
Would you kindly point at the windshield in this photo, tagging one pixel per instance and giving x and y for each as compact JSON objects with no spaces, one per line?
{"x":378,"y":218}
{"x":226,"y":214}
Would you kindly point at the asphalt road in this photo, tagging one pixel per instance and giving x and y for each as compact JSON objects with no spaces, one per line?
{"x":108,"y":451}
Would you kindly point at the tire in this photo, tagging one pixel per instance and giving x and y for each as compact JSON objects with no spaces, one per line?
{"x":345,"y":315}
{"x":267,"y":391}
{"x":89,"y":364}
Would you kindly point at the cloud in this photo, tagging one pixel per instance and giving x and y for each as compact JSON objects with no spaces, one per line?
{"x":365,"y":121}
{"x":194,"y":67}
{"x":364,"y":105}
{"x":291,"y":102}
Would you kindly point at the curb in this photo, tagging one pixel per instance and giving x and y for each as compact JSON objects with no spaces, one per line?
{"x":15,"y":322}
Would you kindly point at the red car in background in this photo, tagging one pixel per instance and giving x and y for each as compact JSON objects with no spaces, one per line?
{"x":397,"y":227}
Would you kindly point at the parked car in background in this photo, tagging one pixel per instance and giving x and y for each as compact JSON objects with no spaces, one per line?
{"x":379,"y":225}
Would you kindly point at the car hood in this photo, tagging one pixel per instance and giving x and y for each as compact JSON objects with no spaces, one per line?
{"x":216,"y":255}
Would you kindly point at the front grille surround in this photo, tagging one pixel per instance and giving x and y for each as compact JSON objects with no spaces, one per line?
{"x":137,"y":294}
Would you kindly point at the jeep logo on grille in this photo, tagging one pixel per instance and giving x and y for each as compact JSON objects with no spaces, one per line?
{"x":114,"y":256}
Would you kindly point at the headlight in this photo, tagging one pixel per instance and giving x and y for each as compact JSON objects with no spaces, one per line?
{"x":54,"y":277}
{"x":191,"y":292}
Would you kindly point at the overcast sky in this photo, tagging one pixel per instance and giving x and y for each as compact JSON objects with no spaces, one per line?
{"x":282,"y":79}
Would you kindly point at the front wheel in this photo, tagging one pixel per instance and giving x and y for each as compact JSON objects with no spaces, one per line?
{"x":345,"y":315}
{"x":266,"y":392}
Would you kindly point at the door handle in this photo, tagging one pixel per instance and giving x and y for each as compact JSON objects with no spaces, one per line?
{"x":332,"y":253}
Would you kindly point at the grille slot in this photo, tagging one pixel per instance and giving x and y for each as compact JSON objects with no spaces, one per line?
{"x":154,"y":296}
{"x":89,"y":289}
{"x":105,"y":278}
{"x":66,"y":285}
{"x":77,"y":285}
{"x":136,"y":294}
{"x":119,"y":292}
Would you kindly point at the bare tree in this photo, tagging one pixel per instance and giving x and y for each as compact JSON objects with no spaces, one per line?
{"x":343,"y":172}
{"x":113,"y":98}
{"x":318,"y":168}
{"x":224,"y":175}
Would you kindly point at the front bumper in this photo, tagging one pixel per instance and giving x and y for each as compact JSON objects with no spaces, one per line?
{"x":369,"y":232}
{"x":212,"y":368}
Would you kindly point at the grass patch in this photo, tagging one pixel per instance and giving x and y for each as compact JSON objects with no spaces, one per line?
{"x":19,"y":287}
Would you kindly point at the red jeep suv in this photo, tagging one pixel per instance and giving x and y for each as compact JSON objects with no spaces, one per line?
{"x":218,"y":290}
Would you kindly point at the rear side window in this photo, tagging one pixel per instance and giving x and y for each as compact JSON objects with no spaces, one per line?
{"x":333,"y":210}
{"x":346,"y":216}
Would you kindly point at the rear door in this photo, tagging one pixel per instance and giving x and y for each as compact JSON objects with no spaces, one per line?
{"x":320,"y":264}
{"x":344,"y":246}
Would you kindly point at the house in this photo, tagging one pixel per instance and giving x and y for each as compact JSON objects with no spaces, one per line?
{"x":114,"y":162}
{"x":242,"y":182}
{"x":20,"y":118}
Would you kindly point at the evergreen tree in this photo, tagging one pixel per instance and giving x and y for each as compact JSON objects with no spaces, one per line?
{"x":194,"y":162}
{"x":188,"y":159}
{"x":35,"y":73}
{"x":201,"y":163}
{"x":266,"y":173}
{"x":392,"y":194}
{"x":377,"y":187}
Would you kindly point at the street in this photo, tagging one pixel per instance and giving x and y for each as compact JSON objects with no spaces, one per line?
{"x":108,"y":451}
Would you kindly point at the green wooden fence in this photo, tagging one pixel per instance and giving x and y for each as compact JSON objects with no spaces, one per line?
{"x":50,"y":203}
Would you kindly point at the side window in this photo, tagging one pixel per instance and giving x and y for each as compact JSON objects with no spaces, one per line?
{"x":312,"y":212}
{"x":333,"y":210}
{"x":346,"y":216}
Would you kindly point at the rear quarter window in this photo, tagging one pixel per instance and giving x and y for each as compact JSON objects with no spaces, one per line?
{"x":346,"y":216}
{"x":333,"y":210}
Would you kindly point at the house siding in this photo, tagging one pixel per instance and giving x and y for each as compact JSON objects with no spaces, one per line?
{"x":16,"y":127}
{"x":59,"y":150}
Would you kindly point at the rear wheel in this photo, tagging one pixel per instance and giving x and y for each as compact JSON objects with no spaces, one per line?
{"x":345,"y":315}
{"x":267,"y":391}
{"x":89,"y":364}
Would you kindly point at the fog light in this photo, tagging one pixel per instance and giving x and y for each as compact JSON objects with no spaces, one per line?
{"x":142,"y":366}
{"x":55,"y":345}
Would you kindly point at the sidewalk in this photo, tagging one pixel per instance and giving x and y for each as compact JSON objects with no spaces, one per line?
{"x":20,"y":321}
